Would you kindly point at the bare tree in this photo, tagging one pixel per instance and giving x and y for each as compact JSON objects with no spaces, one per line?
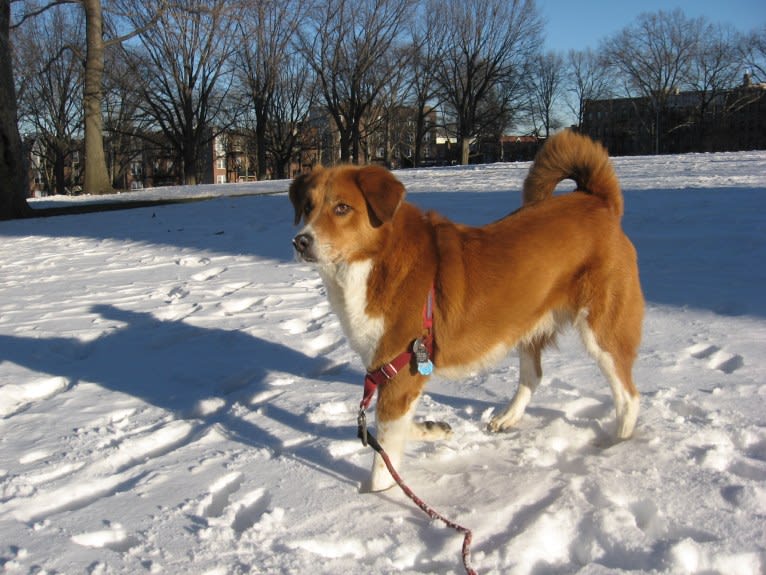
{"x":265,"y":30}
{"x":121,"y":103}
{"x":654,"y":57}
{"x":96,"y":177}
{"x":291,"y":102}
{"x":486,"y":49}
{"x":587,"y":78}
{"x":182,"y":67}
{"x":13,"y":178}
{"x":715,"y":68}
{"x":346,"y":42}
{"x":96,"y":180}
{"x":50,"y":69}
{"x":425,"y":97}
{"x":547,"y":78}
{"x":381,"y":135}
{"x":753,"y":49}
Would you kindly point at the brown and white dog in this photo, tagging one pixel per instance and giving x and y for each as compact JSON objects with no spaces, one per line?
{"x":558,"y":260}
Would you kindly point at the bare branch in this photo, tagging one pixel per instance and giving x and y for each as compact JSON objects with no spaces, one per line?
{"x":27,"y":15}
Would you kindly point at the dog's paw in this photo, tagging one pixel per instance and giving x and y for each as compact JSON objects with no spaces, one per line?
{"x":506,"y":419}
{"x":367,"y":488}
{"x":381,"y":481}
{"x":430,"y":430}
{"x":499,"y":423}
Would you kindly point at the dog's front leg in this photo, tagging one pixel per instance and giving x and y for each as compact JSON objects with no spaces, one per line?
{"x":392,"y":436}
{"x":397,"y":401}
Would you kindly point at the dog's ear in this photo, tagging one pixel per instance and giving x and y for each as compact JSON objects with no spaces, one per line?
{"x":383,"y":192}
{"x":299,"y":195}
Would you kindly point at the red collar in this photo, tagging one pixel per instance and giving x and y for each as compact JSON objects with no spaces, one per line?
{"x":388,"y":371}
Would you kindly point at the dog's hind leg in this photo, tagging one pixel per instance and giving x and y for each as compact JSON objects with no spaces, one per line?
{"x":530,"y":374}
{"x":616,"y":365}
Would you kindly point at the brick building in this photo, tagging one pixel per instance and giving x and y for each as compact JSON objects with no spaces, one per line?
{"x":729,"y":120}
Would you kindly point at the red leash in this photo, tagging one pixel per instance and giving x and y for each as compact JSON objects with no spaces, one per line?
{"x":422,"y":349}
{"x":369,"y":439}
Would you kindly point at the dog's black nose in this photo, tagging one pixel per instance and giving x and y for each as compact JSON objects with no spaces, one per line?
{"x":302,"y":243}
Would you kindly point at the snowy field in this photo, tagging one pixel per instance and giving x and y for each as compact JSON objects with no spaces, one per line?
{"x":176,"y":397}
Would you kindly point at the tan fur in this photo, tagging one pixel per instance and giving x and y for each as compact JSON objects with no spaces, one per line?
{"x":572,"y":156}
{"x":512,"y":282}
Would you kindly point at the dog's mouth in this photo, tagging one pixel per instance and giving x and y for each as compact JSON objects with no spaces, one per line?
{"x":308,"y":258}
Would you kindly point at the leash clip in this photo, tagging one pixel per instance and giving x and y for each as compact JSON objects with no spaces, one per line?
{"x":361,"y":424}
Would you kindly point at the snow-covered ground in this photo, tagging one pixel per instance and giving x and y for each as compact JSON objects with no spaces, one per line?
{"x":176,"y":397}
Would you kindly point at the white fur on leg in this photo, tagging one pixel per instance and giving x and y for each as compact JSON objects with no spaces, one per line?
{"x":625,"y":404}
{"x":627,"y":417}
{"x":392,"y":436}
{"x":528,"y":382}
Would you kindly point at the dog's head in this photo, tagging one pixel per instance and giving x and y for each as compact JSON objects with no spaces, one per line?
{"x":345,"y":211}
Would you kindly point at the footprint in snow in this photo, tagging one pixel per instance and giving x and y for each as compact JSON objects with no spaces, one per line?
{"x":240,"y":514}
{"x":177,"y":293}
{"x":192,"y":261}
{"x":237,"y":305}
{"x":17,"y":397}
{"x":249,"y":510}
{"x":716,"y":357}
{"x":325,"y":343}
{"x":208,"y":274}
{"x":217,"y":499}
{"x":333,"y":413}
{"x":114,"y":537}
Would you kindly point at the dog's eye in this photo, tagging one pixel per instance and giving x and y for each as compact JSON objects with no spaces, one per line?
{"x":307,"y":208}
{"x":342,"y":209}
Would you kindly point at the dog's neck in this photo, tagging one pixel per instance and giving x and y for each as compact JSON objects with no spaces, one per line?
{"x":347,"y":286}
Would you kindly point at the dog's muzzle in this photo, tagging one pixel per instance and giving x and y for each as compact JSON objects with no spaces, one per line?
{"x":304,"y":246}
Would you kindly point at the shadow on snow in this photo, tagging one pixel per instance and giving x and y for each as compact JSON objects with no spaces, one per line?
{"x":175,"y":366}
{"x":698,"y":248}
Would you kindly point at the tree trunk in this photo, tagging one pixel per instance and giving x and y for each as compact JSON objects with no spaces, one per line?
{"x":417,"y":155}
{"x":345,"y":147}
{"x":260,"y":147}
{"x":13,"y":175}
{"x":465,"y":151}
{"x":96,"y":179}
{"x":190,"y":164}
{"x":356,"y":145}
{"x":59,"y":173}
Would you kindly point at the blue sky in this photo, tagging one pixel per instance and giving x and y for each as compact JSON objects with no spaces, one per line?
{"x":579,"y":24}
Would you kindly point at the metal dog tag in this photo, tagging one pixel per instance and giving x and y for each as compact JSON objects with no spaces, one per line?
{"x":425,"y":365}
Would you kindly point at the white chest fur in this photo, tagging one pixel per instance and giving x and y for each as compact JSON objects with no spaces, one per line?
{"x":347,"y":291}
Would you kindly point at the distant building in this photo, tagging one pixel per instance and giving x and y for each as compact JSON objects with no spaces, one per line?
{"x":388,"y":139}
{"x":726,"y":121}
{"x":53,"y":166}
{"x":511,"y":148}
{"x":228,"y":158}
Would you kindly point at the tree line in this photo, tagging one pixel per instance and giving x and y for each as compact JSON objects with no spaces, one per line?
{"x":176,"y":73}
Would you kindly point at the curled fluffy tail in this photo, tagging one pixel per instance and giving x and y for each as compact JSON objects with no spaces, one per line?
{"x":569,"y":155}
